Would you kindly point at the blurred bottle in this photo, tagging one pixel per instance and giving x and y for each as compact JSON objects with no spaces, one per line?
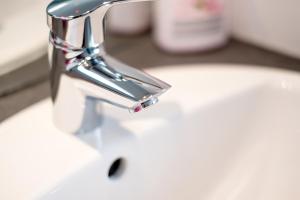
{"x":190,"y":25}
{"x":130,"y":19}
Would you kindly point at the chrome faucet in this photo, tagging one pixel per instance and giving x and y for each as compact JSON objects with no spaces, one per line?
{"x":82,"y":75}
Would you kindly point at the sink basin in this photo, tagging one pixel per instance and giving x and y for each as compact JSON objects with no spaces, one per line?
{"x":221,"y":132}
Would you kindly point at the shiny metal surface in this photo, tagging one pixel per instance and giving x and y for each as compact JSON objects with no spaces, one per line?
{"x":82,"y":75}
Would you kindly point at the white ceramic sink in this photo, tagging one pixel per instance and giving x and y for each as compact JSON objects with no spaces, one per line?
{"x":221,"y":132}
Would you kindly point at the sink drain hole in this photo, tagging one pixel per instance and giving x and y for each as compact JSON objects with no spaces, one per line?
{"x":116,"y":169}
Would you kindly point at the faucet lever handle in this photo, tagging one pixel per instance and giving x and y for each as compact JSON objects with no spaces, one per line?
{"x":77,"y":21}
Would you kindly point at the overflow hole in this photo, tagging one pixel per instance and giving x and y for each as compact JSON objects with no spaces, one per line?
{"x":116,"y":169}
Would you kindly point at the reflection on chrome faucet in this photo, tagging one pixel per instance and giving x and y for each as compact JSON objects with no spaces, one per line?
{"x":82,"y":75}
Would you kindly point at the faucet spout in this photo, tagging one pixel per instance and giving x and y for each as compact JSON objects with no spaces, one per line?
{"x":126,"y":86}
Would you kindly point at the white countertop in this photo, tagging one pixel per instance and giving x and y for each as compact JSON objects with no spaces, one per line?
{"x":23,"y":33}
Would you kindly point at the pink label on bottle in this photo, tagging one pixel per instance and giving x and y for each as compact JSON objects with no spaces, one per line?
{"x":189,"y":9}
